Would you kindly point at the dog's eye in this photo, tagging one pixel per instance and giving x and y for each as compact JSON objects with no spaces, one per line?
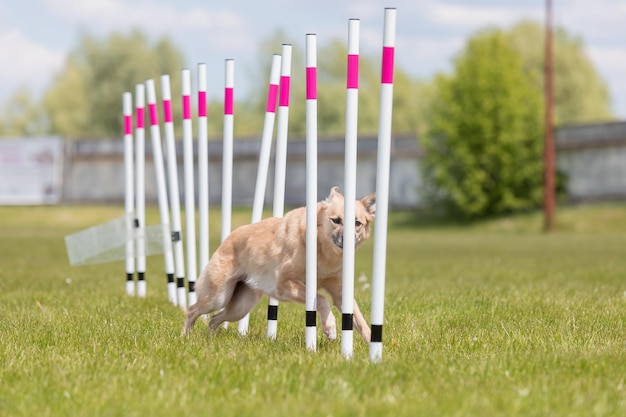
{"x":358,"y":223}
{"x":336,"y":220}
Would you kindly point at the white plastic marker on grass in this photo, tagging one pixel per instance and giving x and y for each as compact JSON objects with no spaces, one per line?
{"x":172,"y":175}
{"x":281,"y":164}
{"x":311,"y":192}
{"x":129,"y":195}
{"x":382,"y":184}
{"x":188,"y":173}
{"x":140,"y":188}
{"x":264,"y":157}
{"x":203,"y":174}
{"x":352,"y":103}
{"x":157,"y":152}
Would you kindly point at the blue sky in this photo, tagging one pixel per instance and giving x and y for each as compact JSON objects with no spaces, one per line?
{"x":36,"y":35}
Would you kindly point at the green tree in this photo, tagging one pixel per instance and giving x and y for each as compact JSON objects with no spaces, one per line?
{"x":21,"y":115}
{"x":580,"y":93}
{"x":85,"y":98}
{"x":483,"y":150}
{"x":331,"y":85}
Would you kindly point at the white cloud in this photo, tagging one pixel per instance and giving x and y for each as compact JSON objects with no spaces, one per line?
{"x":223,"y":29}
{"x":472,"y":17}
{"x":25,"y":61}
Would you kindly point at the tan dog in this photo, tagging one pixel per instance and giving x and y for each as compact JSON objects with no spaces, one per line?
{"x":268,"y":257}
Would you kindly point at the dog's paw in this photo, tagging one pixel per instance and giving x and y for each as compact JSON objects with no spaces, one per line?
{"x":330,"y":332}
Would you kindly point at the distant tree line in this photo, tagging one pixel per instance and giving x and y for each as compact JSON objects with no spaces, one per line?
{"x":481,"y":125}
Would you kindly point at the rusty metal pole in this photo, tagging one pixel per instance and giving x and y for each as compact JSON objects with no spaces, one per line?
{"x":549,"y":171}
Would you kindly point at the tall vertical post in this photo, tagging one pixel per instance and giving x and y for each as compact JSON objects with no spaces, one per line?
{"x":172,"y":171}
{"x":264,"y":157}
{"x":129,"y":195}
{"x":189,"y":184}
{"x":164,"y":211}
{"x":140,"y":188}
{"x":349,"y":227}
{"x":382,"y":184}
{"x":227,"y":153}
{"x":281,"y":164}
{"x":549,"y":175}
{"x":203,"y":170}
{"x":311,"y":192}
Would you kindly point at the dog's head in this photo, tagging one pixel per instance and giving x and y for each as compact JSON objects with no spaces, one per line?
{"x":332,"y":219}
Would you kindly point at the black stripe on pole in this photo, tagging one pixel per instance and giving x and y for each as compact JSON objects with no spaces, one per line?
{"x":377,"y":332}
{"x":192,"y":286}
{"x":311,"y":318}
{"x":140,"y":276}
{"x":175,"y":236}
{"x":180,"y":282}
{"x":137,"y":223}
{"x":129,"y":276}
{"x":346,"y":321}
{"x":272,"y":312}
{"x":170,"y":278}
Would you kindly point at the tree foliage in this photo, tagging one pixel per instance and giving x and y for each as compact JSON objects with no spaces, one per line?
{"x":331,"y":89}
{"x":580,"y":94}
{"x":85,"y":97}
{"x":483,"y":150}
{"x":22,"y":115}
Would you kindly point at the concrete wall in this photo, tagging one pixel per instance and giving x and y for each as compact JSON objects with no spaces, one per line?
{"x":94,"y":171}
{"x":594,"y":159}
{"x":592,"y":156}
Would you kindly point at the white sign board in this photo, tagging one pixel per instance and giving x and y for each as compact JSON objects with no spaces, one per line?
{"x":31,"y":170}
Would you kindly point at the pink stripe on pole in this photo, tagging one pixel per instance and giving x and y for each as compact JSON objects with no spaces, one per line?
{"x":167,"y":111}
{"x":128,"y":125}
{"x":311,"y":83}
{"x":186,"y":107}
{"x":228,"y":100}
{"x":202,"y":103}
{"x":387,"y":70}
{"x":285,"y":82}
{"x":140,"y":118}
{"x":154,"y":115}
{"x":271,"y":98}
{"x":353,"y":71}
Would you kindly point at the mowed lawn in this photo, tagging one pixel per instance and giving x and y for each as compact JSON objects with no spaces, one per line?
{"x":488,"y":319}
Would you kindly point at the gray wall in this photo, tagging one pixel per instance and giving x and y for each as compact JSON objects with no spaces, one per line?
{"x":94,"y":171}
{"x":592,"y":156}
{"x":594,"y":159}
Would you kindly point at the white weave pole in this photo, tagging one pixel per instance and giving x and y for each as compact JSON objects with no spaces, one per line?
{"x":311,"y":192}
{"x":190,"y":189}
{"x":140,"y":188}
{"x":227,"y":152}
{"x":264,"y":157}
{"x":349,"y":232}
{"x":382,"y":185}
{"x":203,"y":173}
{"x":280,"y":167}
{"x":164,"y":211}
{"x":129,"y":195}
{"x":172,"y":175}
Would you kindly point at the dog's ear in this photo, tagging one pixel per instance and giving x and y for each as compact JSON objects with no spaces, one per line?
{"x":369,"y":202}
{"x":334,"y":193}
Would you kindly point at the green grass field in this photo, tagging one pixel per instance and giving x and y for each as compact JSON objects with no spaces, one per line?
{"x":488,"y":319}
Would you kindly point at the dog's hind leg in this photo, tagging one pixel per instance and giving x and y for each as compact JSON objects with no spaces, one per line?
{"x":241,"y":302}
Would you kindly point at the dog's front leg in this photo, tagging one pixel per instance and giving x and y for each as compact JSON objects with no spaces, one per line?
{"x":329,"y":324}
{"x":360,"y":324}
